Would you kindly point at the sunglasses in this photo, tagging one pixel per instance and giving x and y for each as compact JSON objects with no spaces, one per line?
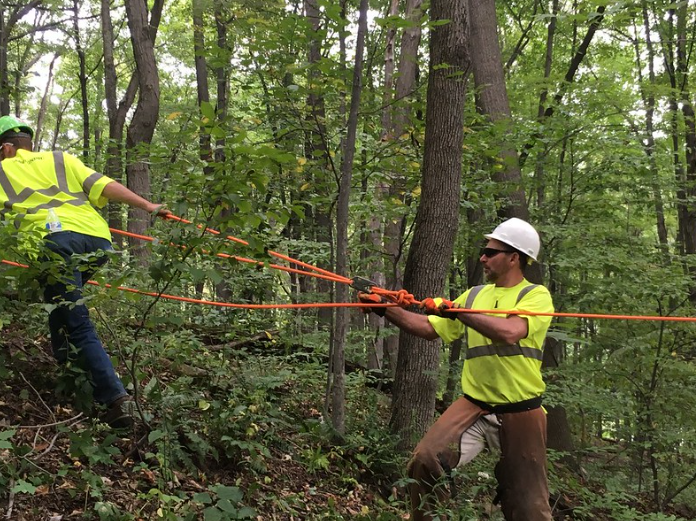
{"x":492,"y":252}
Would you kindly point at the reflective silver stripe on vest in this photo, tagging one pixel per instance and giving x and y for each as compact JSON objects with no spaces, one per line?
{"x":61,"y":187}
{"x":504,"y":350}
{"x":90,"y":182}
{"x":524,"y":291}
{"x":45,"y":206}
{"x":472,"y":295}
{"x":501,"y":350}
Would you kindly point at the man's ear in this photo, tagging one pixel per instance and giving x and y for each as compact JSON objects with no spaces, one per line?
{"x":515,"y":254}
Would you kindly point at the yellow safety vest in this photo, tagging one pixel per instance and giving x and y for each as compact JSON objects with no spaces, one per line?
{"x":499,"y":374}
{"x":31,"y":183}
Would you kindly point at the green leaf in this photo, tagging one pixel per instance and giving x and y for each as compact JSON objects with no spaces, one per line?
{"x":208,"y":110}
{"x":6,"y":435}
{"x":226,"y":506}
{"x":233,"y":494}
{"x":246,"y":513}
{"x":23,"y":487}
{"x":203,"y":497}
{"x":155,"y":435}
{"x":212,"y":514}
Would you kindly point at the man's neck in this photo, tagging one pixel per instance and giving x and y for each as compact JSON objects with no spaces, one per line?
{"x":509,"y":280}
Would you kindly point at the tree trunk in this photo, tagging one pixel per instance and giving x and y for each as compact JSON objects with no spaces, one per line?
{"x":417,"y":367}
{"x":202,"y":89}
{"x":342,"y":210}
{"x":142,"y":126}
{"x":573,"y":67}
{"x":117,"y":111}
{"x":689,"y":185}
{"x":489,"y":78}
{"x":82,"y":77}
{"x":316,"y":151}
{"x":399,"y":120}
{"x":649,"y":141}
{"x":222,"y":289}
{"x":44,"y":104}
{"x":539,"y":173}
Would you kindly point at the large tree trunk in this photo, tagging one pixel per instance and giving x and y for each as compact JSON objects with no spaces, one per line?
{"x":489,"y":78}
{"x":417,"y":367}
{"x":493,"y":102}
{"x":117,"y":111}
{"x":342,"y":209}
{"x":142,"y":126}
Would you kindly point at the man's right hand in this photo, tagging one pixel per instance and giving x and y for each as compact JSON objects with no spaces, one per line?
{"x":158,"y":209}
{"x":371,"y":298}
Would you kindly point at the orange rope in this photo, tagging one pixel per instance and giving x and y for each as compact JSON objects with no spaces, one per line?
{"x":401,"y":296}
{"x":333,"y":278}
{"x":221,"y":304}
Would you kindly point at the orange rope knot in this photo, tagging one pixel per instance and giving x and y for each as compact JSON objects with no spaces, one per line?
{"x":401,"y":297}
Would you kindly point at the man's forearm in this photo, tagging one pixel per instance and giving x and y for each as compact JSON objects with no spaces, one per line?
{"x":509,"y":330}
{"x":117,"y":192}
{"x":412,"y":323}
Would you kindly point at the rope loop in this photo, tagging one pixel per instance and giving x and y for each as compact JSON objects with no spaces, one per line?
{"x":400,"y":297}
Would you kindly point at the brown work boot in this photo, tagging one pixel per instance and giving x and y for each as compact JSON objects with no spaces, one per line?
{"x":119,"y":415}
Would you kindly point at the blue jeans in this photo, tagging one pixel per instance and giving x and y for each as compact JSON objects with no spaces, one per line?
{"x":69,"y":322}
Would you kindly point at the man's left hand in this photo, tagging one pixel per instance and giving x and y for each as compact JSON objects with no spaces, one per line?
{"x":440,"y":307}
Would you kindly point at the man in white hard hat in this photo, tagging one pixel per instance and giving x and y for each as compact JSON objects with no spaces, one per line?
{"x":501,"y":380}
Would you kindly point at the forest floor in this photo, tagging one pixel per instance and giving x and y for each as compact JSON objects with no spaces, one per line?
{"x":63,"y":464}
{"x":57,"y":463}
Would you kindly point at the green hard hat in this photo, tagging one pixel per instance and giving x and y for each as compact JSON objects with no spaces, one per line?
{"x":12,"y":124}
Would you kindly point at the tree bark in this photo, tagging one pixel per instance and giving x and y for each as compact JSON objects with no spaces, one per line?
{"x":117,"y":111}
{"x":222,"y":80}
{"x":399,"y":120}
{"x":489,"y":78}
{"x":82,"y":77}
{"x":342,"y":210}
{"x":142,"y":126}
{"x":417,"y":367}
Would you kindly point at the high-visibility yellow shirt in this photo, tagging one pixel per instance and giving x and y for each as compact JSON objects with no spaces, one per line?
{"x":31,"y":183}
{"x":500,"y":374}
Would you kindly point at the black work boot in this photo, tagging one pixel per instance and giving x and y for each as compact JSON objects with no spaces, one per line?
{"x":119,"y":415}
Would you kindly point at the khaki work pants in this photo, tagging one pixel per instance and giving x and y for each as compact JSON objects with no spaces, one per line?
{"x":521,"y":471}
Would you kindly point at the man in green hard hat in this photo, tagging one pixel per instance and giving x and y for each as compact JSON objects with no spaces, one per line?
{"x":55,"y":194}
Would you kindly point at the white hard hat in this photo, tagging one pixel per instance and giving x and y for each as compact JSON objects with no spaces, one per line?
{"x":519,"y":234}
